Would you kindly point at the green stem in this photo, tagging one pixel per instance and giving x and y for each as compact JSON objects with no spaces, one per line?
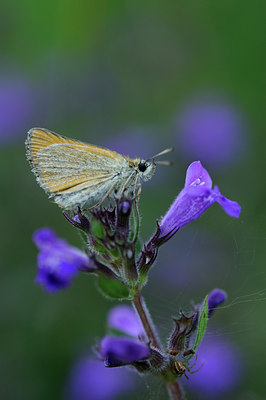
{"x":174,"y":389}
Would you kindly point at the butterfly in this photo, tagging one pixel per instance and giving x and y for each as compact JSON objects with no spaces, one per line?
{"x":77,"y":174}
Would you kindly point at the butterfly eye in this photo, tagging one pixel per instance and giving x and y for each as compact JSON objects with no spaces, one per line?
{"x":142,"y":166}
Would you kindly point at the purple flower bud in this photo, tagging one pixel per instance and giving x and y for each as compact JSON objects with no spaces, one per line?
{"x":58,"y":262}
{"x":124,"y":319}
{"x":192,"y":201}
{"x":215,"y":298}
{"x":91,"y":380}
{"x":119,"y":351}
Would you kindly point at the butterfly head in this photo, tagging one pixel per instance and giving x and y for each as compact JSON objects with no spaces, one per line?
{"x":146,"y":169}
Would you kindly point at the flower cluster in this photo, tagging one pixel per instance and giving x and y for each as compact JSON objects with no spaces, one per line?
{"x":113,"y":253}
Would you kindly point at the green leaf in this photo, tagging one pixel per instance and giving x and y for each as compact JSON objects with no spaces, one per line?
{"x":112,"y":288}
{"x":202,"y":324}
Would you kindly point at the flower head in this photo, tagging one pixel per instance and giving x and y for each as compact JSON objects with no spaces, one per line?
{"x":123,"y":350}
{"x":119,"y":351}
{"x":58,"y":262}
{"x":192,"y":201}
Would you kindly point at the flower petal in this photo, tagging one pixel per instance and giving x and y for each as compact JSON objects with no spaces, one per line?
{"x":231,"y":207}
{"x":197,"y":175}
{"x":119,"y":351}
{"x":124,"y":319}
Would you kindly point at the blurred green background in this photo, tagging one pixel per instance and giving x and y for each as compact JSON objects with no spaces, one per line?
{"x":107,"y":72}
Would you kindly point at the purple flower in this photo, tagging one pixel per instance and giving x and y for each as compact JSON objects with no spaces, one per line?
{"x":215,"y":298}
{"x":58,"y":262}
{"x":90,"y":380}
{"x":123,"y":318}
{"x":128,"y":143}
{"x":192,"y":201}
{"x":119,"y":351}
{"x":220,"y":368}
{"x":16,"y":104}
{"x":211,"y":130}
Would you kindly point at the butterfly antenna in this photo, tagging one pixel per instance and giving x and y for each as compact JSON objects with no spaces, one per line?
{"x":167,"y":163}
{"x":161,"y":154}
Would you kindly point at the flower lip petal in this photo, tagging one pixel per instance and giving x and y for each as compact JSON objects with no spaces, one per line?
{"x":197,"y":175}
{"x":232,"y":208}
{"x":119,"y":351}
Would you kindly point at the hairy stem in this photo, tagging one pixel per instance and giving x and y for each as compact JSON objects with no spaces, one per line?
{"x":174,"y":389}
{"x":144,"y":315}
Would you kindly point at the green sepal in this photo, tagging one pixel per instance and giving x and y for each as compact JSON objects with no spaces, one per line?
{"x":202,"y":325}
{"x":112,"y":288}
{"x":97,"y":230}
{"x":84,"y":237}
{"x":135,"y":223}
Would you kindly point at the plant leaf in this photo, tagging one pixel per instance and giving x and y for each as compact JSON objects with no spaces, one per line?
{"x":202,"y":324}
{"x":112,"y":288}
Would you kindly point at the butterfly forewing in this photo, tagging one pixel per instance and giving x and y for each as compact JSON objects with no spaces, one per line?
{"x":65,"y":165}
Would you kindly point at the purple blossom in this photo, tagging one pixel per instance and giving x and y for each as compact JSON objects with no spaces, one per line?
{"x":220,"y":370}
{"x":119,"y":351}
{"x":124,"y":319}
{"x":90,"y":380}
{"x":192,"y":201}
{"x":215,"y":299}
{"x":16,"y":104}
{"x":58,"y":262}
{"x":128,"y":143}
{"x":211,"y":130}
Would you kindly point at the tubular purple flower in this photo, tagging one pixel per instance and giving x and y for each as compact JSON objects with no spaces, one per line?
{"x":118,"y":351}
{"x":124,"y":319}
{"x":58,"y":262}
{"x":215,"y":298}
{"x":192,"y":201}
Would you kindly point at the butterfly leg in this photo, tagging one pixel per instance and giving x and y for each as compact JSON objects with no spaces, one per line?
{"x":126,"y":185}
{"x":105,"y":196}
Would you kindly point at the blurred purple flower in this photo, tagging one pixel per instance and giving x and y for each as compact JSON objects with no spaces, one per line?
{"x":192,"y":201}
{"x":134,"y":142}
{"x":215,"y":299}
{"x":17,"y":107}
{"x":220,"y":370}
{"x":91,"y":380}
{"x":211,"y":130}
{"x":58,"y":262}
{"x":123,"y":318}
{"x":118,"y":351}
